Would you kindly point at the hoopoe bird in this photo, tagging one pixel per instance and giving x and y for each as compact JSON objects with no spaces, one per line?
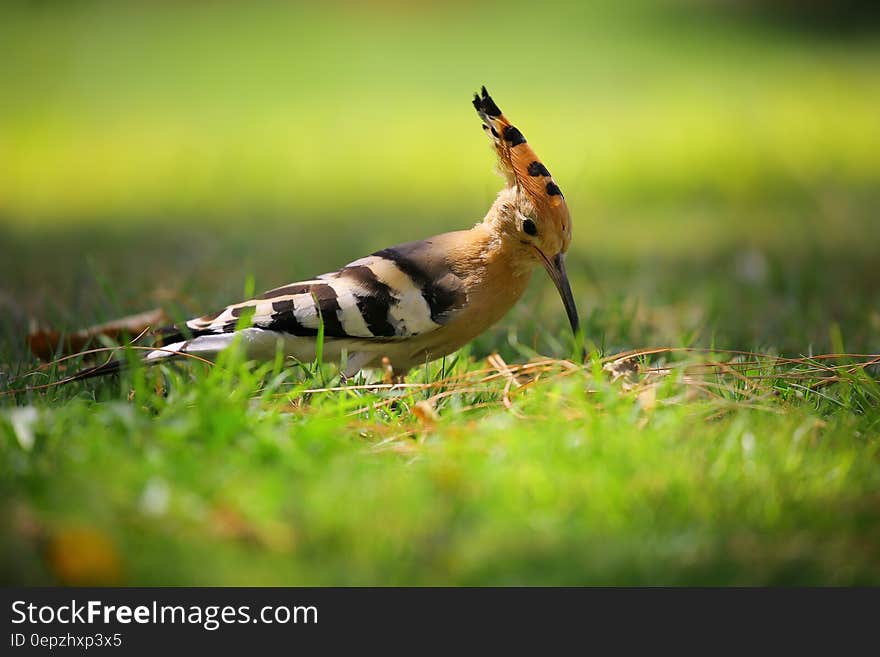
{"x":411,"y":303}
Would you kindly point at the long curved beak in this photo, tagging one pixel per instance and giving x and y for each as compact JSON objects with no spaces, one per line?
{"x":556,"y":269}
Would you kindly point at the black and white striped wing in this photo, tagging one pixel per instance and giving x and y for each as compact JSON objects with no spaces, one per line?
{"x":397,"y":293}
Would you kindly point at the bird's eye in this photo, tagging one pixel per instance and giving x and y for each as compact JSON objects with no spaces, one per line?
{"x":529,"y":227}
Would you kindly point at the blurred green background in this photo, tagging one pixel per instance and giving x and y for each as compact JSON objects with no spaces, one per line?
{"x":722,"y":164}
{"x":176,"y":147}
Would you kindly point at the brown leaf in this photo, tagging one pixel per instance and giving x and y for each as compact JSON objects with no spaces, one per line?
{"x":425,"y":413}
{"x":228,"y":522}
{"x":44,"y":342}
{"x":83,"y":556}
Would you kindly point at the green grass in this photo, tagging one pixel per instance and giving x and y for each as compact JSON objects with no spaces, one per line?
{"x":723,"y":177}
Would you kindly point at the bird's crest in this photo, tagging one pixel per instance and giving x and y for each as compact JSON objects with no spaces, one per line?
{"x":519,"y":163}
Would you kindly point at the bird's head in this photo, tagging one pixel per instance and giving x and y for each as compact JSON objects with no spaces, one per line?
{"x":530,"y":216}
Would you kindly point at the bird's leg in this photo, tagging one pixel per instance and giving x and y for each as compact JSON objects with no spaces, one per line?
{"x":387,"y":371}
{"x":389,"y":376}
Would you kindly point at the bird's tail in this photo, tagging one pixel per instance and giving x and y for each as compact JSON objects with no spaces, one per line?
{"x":110,"y":367}
{"x":171,"y":343}
{"x":202,"y":345}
